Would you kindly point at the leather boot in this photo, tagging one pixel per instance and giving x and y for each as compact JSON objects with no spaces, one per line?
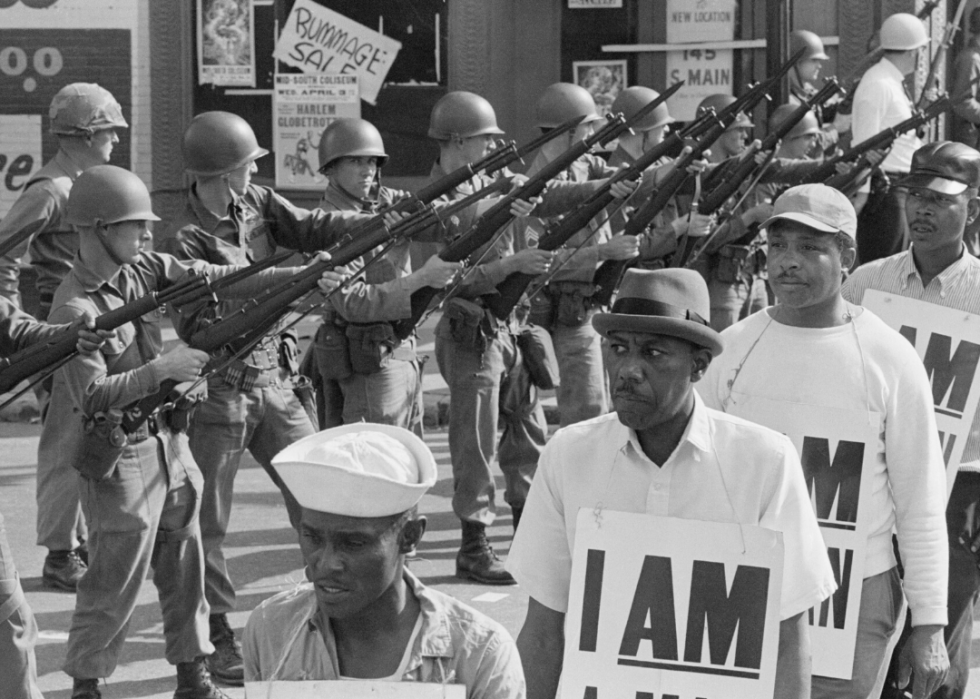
{"x":516,"y":511}
{"x":226,"y":662}
{"x":85,"y":689}
{"x":63,"y":570}
{"x":476,"y":559}
{"x":194,"y":682}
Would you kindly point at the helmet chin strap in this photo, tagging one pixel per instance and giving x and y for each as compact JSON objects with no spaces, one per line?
{"x":102,"y":233}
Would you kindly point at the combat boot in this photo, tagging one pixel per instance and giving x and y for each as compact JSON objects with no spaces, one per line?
{"x":85,"y":689}
{"x":63,"y":570}
{"x":194,"y":682}
{"x":226,"y":663}
{"x":476,"y":559}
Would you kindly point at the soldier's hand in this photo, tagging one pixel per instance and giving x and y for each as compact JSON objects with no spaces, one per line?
{"x":517,"y":181}
{"x":621,"y":247}
{"x":530,"y":261}
{"x":842,"y":122}
{"x":757,"y":214}
{"x":521,"y":208}
{"x":438,"y":273}
{"x":842,"y":168}
{"x":180,"y":364}
{"x":760,"y":157}
{"x":331,"y":279}
{"x":925,"y":655}
{"x":623,"y":188}
{"x":695,"y":226}
{"x":697,"y":166}
{"x":393,"y":218}
{"x":875,"y":157}
{"x":90,"y":339}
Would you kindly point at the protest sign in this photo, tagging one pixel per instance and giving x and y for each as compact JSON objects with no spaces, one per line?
{"x":317,"y":40}
{"x":304,"y":106}
{"x":660,"y":606}
{"x":226,"y":42}
{"x":948,"y":342}
{"x":352,"y":689}
{"x":838,"y":449}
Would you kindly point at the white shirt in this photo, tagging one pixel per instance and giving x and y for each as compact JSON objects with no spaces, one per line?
{"x":724,"y":469}
{"x":862,"y":365}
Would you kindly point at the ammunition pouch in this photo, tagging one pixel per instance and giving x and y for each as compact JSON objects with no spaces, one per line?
{"x":177,"y":416}
{"x":469,"y":324}
{"x":371,"y":346}
{"x":538,"y":352}
{"x":571,"y":304}
{"x":332,"y":351}
{"x":731,"y":263}
{"x":288,"y":354}
{"x":104,"y":441}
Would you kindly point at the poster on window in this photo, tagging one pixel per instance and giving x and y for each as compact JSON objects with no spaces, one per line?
{"x":304,"y":105}
{"x":603,"y":79}
{"x":226,"y":43}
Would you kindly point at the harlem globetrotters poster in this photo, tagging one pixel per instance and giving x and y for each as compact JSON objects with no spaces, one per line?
{"x":306,"y":104}
{"x":226,"y":43}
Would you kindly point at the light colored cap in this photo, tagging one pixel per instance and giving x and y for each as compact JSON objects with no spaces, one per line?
{"x":818,"y":206}
{"x":358,"y":470}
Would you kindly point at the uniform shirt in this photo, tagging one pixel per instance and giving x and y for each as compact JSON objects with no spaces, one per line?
{"x":659,"y":238}
{"x":18,"y":330}
{"x":958,"y":286}
{"x":287,"y":637}
{"x":53,"y":242}
{"x":860,"y":366}
{"x":880,"y":101}
{"x":966,"y":112}
{"x":724,"y":469}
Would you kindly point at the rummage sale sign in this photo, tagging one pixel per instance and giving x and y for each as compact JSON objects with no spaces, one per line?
{"x":948,"y":342}
{"x":838,"y":450}
{"x":660,"y":607}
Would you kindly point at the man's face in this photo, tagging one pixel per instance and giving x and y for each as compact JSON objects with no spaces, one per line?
{"x":102,"y":142}
{"x":353,"y":562}
{"x":937,"y":220}
{"x":651,"y":376}
{"x":809,"y":69}
{"x":799,"y":146}
{"x":475,"y":148}
{"x":127,"y":239}
{"x":732,"y":142}
{"x":239,"y":178}
{"x":805,"y":265}
{"x":583,"y":131}
{"x":354,"y":174}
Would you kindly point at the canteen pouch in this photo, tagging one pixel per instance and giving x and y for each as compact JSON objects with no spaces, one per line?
{"x":731,"y":261}
{"x":574,"y":301}
{"x":103,"y":442}
{"x":465,"y":323}
{"x":306,"y":395}
{"x":538,"y":352}
{"x":332,"y":352}
{"x":370,"y":346}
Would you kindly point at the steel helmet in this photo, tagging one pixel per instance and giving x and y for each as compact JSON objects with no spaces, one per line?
{"x":81,"y":109}
{"x":903,"y":32}
{"x":107,"y":194}
{"x":803,"y":39}
{"x":462,"y":114}
{"x":719,"y":102}
{"x":351,"y":138}
{"x":633,"y":99}
{"x":563,"y":101}
{"x":219,"y":142}
{"x":804,"y":127}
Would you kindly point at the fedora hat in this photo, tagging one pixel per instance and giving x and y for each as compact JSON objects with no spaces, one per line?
{"x":671,"y":302}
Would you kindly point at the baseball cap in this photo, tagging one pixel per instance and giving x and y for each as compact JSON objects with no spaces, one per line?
{"x":817,"y":206}
{"x":946,"y":167}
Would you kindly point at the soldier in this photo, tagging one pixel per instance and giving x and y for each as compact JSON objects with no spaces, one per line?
{"x":802,"y":79}
{"x":251,"y":404}
{"x":140,"y":490}
{"x":84,"y":118}
{"x":365,"y":372}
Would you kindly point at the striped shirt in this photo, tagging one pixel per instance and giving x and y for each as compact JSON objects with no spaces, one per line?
{"x":957,"y":286}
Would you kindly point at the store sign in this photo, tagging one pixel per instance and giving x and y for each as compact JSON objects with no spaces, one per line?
{"x":705,"y":20}
{"x":20,"y":155}
{"x":706,"y":71}
{"x":594,"y":4}
{"x":318,"y":40}
{"x":304,"y":106}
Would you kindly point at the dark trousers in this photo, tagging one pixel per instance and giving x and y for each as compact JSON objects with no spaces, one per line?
{"x":882,"y":228}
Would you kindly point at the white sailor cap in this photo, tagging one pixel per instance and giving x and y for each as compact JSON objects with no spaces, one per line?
{"x":358,"y":470}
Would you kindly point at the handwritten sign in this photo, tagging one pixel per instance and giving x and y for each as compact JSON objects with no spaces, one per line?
{"x":838,"y":450}
{"x":318,"y":40}
{"x":661,"y":606}
{"x":948,"y":342}
{"x":20,"y":155}
{"x":344,"y":689}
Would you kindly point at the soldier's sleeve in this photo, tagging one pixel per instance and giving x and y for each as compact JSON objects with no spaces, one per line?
{"x":789,"y":170}
{"x":360,"y":302}
{"x":33,"y":212}
{"x":967,"y":72}
{"x":19,"y":330}
{"x":302,"y":229}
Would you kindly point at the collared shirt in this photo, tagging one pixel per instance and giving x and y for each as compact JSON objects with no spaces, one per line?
{"x":724,"y":469}
{"x":957,"y":286}
{"x":52,"y":242}
{"x":288,"y":638}
{"x":880,"y":101}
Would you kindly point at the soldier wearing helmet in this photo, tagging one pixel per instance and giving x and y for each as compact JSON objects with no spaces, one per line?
{"x":84,"y":117}
{"x":803,"y":85}
{"x":363,"y":372}
{"x":253,"y":402}
{"x":880,"y":101}
{"x":110,"y":208}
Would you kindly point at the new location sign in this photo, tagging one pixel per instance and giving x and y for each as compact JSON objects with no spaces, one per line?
{"x":662,"y":606}
{"x":948,"y":342}
{"x":707,"y":71}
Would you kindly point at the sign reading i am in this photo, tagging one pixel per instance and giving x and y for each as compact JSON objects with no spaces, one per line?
{"x":661,"y":606}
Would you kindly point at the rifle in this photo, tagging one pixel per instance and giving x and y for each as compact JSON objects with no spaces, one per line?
{"x":499,"y":215}
{"x":939,"y":57}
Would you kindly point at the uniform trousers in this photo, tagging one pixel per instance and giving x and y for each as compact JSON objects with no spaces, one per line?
{"x":582,"y":394}
{"x":60,"y":525}
{"x":18,"y":631}
{"x":263,"y":420}
{"x":733,"y":301}
{"x":143,"y":515}
{"x":485,"y":387}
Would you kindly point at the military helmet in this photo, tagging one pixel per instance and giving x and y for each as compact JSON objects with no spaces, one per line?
{"x":813,"y":45}
{"x":804,"y":127}
{"x":718,"y":102}
{"x":633,"y":99}
{"x":81,"y":109}
{"x":351,"y":138}
{"x":219,"y":142}
{"x":462,"y":114}
{"x":903,"y":32}
{"x":106,"y":194}
{"x":563,"y":101}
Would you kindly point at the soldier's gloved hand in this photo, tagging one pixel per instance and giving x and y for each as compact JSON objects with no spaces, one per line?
{"x":698,"y":226}
{"x":757,"y":214}
{"x":529,"y":261}
{"x":182,"y":363}
{"x":623,"y":188}
{"x":521,"y":208}
{"x":90,"y":339}
{"x":437,"y":273}
{"x":621,"y":247}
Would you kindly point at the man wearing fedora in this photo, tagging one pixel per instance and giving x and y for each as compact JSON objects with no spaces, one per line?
{"x":814,"y":348}
{"x":664,"y":453}
{"x":940,"y":206}
{"x":363,"y":615}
